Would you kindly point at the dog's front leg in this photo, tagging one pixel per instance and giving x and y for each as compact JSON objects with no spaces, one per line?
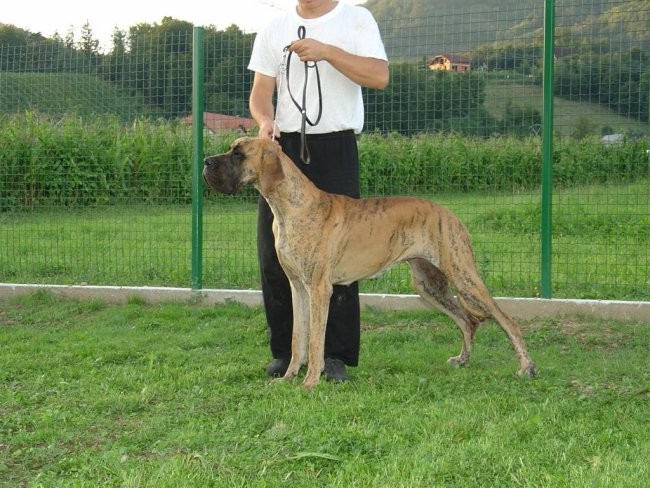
{"x":319,"y":299}
{"x":299,"y":335}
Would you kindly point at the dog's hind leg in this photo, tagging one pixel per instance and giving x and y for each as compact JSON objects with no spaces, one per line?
{"x":433,"y":287}
{"x":475,"y":297}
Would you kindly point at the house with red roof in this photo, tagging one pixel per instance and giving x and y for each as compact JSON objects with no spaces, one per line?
{"x":215,"y":123}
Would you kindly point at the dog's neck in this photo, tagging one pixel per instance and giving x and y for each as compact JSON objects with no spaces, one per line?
{"x":293,"y":192}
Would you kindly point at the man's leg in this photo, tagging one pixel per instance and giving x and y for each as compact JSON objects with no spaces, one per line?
{"x":276,"y":293}
{"x":334,"y":168}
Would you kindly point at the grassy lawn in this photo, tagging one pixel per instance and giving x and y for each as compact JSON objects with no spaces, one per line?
{"x":175,"y":395}
{"x":598,"y":248}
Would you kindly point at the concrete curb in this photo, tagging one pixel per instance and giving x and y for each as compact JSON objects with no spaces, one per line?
{"x":519,"y":308}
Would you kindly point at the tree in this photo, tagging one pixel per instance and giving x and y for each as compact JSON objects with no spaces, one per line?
{"x":644,"y":103}
{"x":520,"y":120}
{"x":88,"y":44}
{"x":10,"y":35}
{"x":68,"y":40}
{"x":584,"y":127}
{"x":58,"y":39}
{"x":113,"y":65}
{"x":119,"y":42}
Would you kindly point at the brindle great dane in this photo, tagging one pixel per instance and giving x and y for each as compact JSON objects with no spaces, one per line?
{"x":324,"y":239}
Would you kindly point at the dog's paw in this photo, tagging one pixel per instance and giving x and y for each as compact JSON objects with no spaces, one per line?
{"x":281,"y":379}
{"x":529,"y":370}
{"x":458,"y":361}
{"x":288,"y":376}
{"x":310,"y":381}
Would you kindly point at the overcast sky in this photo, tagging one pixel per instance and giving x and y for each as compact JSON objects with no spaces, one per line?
{"x":48,"y":17}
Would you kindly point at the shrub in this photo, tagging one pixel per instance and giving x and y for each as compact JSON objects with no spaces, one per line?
{"x":76,"y":161}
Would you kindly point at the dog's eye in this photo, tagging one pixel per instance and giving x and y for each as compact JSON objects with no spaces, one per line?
{"x":237,"y":155}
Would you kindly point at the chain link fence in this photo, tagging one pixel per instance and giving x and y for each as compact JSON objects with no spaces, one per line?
{"x":96,"y":150}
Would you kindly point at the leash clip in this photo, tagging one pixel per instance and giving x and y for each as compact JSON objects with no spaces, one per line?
{"x":283,"y":70}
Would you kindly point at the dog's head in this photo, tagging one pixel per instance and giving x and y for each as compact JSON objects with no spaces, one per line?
{"x":250,"y":161}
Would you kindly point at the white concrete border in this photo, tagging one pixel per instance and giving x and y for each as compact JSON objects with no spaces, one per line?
{"x":520,"y":308}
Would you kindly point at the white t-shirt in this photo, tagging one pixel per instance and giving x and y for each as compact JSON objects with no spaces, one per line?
{"x":348,"y":27}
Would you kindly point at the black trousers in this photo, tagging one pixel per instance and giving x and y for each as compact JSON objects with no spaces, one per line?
{"x":334,"y":168}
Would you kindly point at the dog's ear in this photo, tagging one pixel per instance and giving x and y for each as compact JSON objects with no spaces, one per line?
{"x":271,"y":172}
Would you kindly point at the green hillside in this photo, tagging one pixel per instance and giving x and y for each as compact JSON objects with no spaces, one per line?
{"x":568,"y":115}
{"x":420,"y":28}
{"x":60,"y":93}
{"x":413,"y":9}
{"x":435,"y":26}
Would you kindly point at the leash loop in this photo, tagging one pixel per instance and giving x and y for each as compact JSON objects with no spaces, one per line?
{"x":302,"y":107}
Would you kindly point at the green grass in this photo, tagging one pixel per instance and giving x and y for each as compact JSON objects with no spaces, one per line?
{"x":598,"y":249}
{"x":99,"y":203}
{"x":568,"y":115}
{"x":175,"y":395}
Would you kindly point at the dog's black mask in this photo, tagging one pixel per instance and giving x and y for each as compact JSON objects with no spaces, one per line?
{"x":224,"y":172}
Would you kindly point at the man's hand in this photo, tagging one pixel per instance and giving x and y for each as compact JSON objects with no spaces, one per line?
{"x":310,"y":49}
{"x":367,"y":72}
{"x":268,"y":129}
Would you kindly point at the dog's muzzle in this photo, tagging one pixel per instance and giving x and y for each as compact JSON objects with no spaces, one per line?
{"x":218,"y":177}
{"x":207,"y":163}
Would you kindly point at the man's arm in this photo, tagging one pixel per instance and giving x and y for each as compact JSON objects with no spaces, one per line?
{"x":367,"y":72}
{"x":261,"y":104}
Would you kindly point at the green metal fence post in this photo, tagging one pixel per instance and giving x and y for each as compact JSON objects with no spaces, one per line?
{"x":198,"y":103}
{"x":547,"y":151}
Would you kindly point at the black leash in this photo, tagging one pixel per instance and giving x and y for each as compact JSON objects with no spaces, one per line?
{"x":304,"y":150}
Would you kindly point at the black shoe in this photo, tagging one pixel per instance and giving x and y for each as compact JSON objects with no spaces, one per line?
{"x":277,"y":367}
{"x":335,"y":370}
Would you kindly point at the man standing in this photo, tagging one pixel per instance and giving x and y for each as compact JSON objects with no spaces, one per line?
{"x":319,"y":112}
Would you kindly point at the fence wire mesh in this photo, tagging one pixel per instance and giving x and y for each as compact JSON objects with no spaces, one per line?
{"x":95,"y":149}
